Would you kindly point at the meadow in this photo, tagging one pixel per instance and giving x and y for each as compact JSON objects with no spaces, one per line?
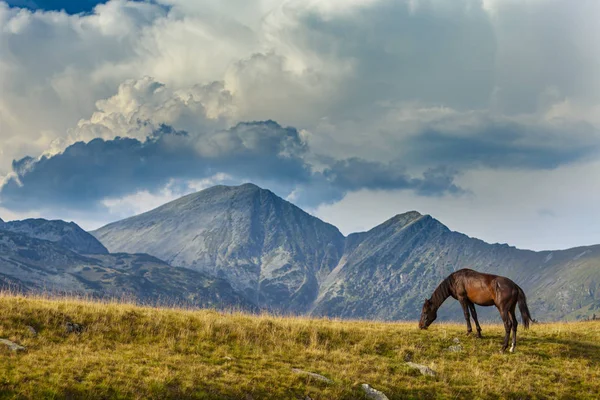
{"x":127,"y":351}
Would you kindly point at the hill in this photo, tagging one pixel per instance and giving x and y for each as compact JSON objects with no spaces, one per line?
{"x":281,"y":258}
{"x":126,"y":351}
{"x":29,"y":264}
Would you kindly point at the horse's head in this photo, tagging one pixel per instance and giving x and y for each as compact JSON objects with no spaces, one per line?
{"x":428,"y":315}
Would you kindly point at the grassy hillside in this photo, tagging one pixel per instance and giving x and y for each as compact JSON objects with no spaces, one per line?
{"x":134,"y":352}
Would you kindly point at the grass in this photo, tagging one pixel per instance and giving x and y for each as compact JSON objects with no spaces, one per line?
{"x":135,"y":352}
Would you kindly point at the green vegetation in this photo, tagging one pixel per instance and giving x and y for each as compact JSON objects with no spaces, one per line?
{"x":128,"y":351}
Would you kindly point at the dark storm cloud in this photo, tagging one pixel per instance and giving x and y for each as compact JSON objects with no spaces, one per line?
{"x":86,"y":173}
{"x":355,"y":174}
{"x":506,"y":145}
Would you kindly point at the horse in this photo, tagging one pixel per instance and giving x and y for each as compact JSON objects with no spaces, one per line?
{"x":471,"y":287}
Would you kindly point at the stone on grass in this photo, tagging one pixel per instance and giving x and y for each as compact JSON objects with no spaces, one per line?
{"x":71,"y":327}
{"x":31,"y":330}
{"x":312,"y":375}
{"x":12,"y":345}
{"x":455,"y":349}
{"x":425,"y":370}
{"x":373,"y":393}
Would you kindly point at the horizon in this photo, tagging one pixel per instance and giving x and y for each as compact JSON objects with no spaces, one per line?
{"x":482,"y":114}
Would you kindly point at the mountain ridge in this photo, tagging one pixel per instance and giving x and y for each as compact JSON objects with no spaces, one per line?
{"x":285,"y":259}
{"x":29,"y":263}
{"x":67,"y":234}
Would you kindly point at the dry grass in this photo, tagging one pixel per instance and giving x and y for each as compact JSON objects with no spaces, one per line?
{"x":141,"y":352}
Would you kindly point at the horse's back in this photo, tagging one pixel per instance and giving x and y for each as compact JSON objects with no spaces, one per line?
{"x":472,"y":274}
{"x":479,"y":288}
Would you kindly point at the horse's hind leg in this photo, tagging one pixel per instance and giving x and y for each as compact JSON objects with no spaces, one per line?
{"x":513,"y":318}
{"x":465,"y":308}
{"x":507,"y":327}
{"x":474,"y":315}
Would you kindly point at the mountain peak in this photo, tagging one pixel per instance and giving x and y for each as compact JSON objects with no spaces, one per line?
{"x":219,"y":190}
{"x":242,"y":187}
{"x":408,"y":215}
{"x":67,"y":234}
{"x":403,"y":219}
{"x":269,"y":249}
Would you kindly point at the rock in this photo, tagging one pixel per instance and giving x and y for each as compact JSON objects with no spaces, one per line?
{"x":456,"y":340}
{"x":455,"y":349}
{"x":227,"y":358}
{"x":425,"y":370}
{"x":12,"y":345}
{"x":71,"y":327}
{"x":31,"y":330}
{"x":313,"y":375}
{"x":373,"y":393}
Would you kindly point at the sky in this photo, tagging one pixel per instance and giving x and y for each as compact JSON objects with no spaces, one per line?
{"x":484,"y":114}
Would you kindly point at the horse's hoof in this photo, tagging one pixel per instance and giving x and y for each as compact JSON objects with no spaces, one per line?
{"x":469,"y":333}
{"x":479,"y":336}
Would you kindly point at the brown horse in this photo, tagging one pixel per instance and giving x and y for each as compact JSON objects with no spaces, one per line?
{"x":471,"y":287}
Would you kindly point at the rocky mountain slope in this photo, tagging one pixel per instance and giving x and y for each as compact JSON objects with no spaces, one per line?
{"x":268,"y":249}
{"x":31,"y":264}
{"x":66,"y":234}
{"x":387,"y":272}
{"x":281,"y":258}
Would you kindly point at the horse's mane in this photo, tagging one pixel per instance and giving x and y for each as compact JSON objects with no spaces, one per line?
{"x":441,"y":293}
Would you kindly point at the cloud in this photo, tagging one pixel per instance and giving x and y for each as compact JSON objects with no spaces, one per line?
{"x":385,"y":95}
{"x":331,"y":67}
{"x":140,"y":107}
{"x":481,"y":139}
{"x":85,"y":175}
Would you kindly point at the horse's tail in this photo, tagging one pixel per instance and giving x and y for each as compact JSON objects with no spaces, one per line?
{"x":525,"y":315}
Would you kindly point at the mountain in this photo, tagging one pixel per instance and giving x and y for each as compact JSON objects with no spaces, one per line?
{"x":281,"y":258}
{"x":268,"y":249}
{"x":386,"y":273}
{"x":66,"y":234}
{"x":30,"y":264}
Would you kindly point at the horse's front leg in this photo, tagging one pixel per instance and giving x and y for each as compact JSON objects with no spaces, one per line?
{"x":465,"y":307}
{"x":474,"y":315}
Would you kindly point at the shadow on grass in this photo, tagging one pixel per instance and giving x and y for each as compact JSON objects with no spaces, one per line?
{"x":535,"y":346}
{"x":575,"y":349}
{"x":207,"y":392}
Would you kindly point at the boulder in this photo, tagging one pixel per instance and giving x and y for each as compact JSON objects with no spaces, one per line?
{"x":425,"y":370}
{"x":312,"y":375}
{"x":373,"y":393}
{"x":12,"y":345}
{"x":71,"y":327}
